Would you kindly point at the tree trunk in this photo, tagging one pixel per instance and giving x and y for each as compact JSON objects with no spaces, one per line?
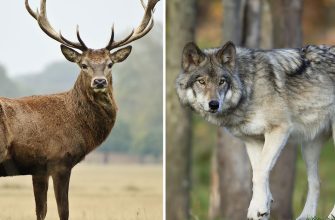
{"x":245,"y":25}
{"x":286,"y":33}
{"x":180,"y":30}
{"x":286,"y":29}
{"x":232,"y":162}
{"x":235,"y":176}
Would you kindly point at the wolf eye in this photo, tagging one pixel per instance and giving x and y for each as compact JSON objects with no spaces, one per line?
{"x":84,"y":66}
{"x":222,"y":81}
{"x":202,"y":82}
{"x":110,"y":66}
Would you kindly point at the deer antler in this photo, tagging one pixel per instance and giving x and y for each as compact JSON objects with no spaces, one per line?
{"x":145,"y":26}
{"x":44,"y":24}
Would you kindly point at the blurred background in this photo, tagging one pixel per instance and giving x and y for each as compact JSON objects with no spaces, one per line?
{"x":208,"y":171}
{"x":122,"y":178}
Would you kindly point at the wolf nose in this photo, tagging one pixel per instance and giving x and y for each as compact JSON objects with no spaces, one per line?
{"x":100,"y":83}
{"x":214,"y":105}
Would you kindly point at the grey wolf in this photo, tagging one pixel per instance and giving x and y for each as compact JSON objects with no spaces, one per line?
{"x":266,"y":98}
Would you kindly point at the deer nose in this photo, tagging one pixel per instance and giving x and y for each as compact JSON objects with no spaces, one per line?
{"x":214,"y":105}
{"x":100,"y":83}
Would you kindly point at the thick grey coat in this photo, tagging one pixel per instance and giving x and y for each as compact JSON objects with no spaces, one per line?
{"x":266,"y":98}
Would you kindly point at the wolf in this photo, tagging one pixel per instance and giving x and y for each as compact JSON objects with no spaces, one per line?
{"x":266,"y":98}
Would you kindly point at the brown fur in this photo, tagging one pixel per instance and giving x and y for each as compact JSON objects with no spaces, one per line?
{"x":48,"y":132}
{"x":48,"y":135}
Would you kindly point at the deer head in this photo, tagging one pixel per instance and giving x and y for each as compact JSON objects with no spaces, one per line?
{"x":96,"y":64}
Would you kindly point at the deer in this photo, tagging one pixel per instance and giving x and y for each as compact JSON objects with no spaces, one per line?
{"x":47,"y":135}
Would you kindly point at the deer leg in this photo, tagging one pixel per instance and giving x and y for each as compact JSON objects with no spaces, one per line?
{"x":61,"y":182}
{"x":40,"y":184}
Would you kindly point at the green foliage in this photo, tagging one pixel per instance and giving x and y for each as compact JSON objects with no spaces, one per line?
{"x":7,"y":87}
{"x":121,"y":141}
{"x":56,"y":77}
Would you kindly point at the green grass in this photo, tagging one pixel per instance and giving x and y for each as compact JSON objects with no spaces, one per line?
{"x":203,"y":146}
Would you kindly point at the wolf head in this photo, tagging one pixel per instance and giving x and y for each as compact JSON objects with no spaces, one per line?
{"x":209,"y":81}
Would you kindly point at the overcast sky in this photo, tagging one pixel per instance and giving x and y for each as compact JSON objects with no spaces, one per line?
{"x":25,"y":48}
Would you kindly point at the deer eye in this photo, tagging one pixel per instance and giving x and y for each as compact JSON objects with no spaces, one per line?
{"x":84,"y":66}
{"x":110,"y":66}
{"x":222,"y":81}
{"x":202,"y":82}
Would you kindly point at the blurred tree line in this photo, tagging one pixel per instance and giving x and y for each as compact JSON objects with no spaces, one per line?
{"x":208,"y":172}
{"x":137,"y":86}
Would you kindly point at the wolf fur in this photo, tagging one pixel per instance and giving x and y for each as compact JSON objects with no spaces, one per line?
{"x":266,"y":98}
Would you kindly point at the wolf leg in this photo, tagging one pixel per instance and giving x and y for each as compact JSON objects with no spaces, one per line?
{"x":311,"y":154}
{"x":254,"y":150}
{"x":275,"y":140}
{"x":332,"y":214}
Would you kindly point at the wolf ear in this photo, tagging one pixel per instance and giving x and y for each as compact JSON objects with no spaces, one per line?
{"x":192,"y":57}
{"x":227,"y":55}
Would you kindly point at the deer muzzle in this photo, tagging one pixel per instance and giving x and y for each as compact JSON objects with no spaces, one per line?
{"x":99,"y":84}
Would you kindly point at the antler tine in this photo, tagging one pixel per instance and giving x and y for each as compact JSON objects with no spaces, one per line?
{"x":143,"y":5}
{"x":45,"y":25}
{"x":31,"y":12}
{"x":145,"y":26}
{"x":80,"y":40}
{"x":110,"y":43}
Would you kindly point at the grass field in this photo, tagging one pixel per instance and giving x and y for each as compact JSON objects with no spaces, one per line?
{"x":114,"y":192}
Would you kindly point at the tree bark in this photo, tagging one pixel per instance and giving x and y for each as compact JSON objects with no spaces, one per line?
{"x":232,"y":162}
{"x":287,"y":32}
{"x":235,"y":176}
{"x":245,"y":25}
{"x":180,"y":30}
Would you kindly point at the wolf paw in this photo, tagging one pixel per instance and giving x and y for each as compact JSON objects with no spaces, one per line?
{"x":258,"y":213}
{"x":260,"y":210}
{"x":305,"y":217}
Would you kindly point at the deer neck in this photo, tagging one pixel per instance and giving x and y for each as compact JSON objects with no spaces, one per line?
{"x":97,"y":111}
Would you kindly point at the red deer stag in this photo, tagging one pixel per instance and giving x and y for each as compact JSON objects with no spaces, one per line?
{"x":48,"y":135}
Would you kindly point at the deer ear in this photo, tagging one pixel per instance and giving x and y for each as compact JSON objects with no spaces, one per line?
{"x":121,"y":55}
{"x":227,"y":55}
{"x":192,"y":57}
{"x":70,"y":54}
